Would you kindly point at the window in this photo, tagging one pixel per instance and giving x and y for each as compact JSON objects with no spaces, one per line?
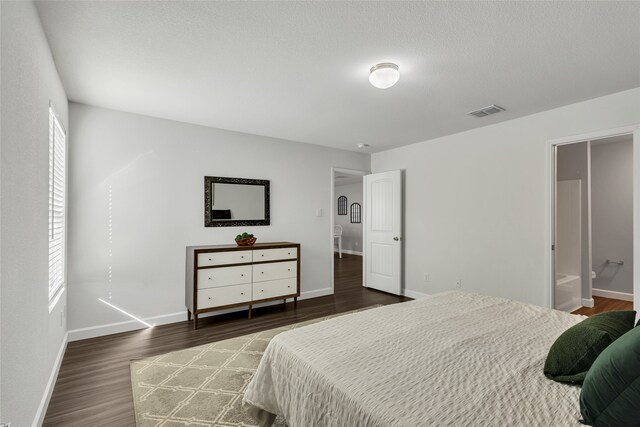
{"x":356,"y":214}
{"x":57,"y":146}
{"x":342,"y":205}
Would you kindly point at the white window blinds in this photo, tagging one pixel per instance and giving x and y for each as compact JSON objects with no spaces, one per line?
{"x":57,"y":146}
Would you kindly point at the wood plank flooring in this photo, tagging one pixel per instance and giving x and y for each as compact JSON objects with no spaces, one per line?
{"x":602,"y":304}
{"x":94,"y":388}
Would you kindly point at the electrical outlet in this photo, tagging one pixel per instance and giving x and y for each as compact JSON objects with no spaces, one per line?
{"x":459,"y":283}
{"x":427,"y":277}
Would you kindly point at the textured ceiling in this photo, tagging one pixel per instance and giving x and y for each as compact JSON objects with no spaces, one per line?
{"x":612,"y":139}
{"x":346,"y":179}
{"x":299,"y":70}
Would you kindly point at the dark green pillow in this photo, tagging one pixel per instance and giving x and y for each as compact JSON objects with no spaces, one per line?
{"x":610,"y":395}
{"x":573,"y":353}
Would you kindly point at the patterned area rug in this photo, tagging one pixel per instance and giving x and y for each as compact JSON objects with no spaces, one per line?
{"x":202,"y":386}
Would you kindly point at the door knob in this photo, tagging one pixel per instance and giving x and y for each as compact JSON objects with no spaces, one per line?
{"x":396,"y":238}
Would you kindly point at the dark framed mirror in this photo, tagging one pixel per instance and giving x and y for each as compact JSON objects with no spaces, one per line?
{"x":233,"y":202}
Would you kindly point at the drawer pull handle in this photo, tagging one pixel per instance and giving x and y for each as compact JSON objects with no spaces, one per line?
{"x":262,"y":255}
{"x":289,"y":286}
{"x":241,"y":256}
{"x":288,"y":253}
{"x":262,"y":272}
{"x":241,"y":293}
{"x":209,"y":297}
{"x":261,"y":290}
{"x":288,"y":269}
{"x":209,"y":278}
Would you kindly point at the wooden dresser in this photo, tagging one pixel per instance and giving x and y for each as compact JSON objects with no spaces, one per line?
{"x":226,"y":276}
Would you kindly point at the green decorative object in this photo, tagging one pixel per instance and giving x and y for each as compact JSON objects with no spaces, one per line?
{"x":245,"y":239}
{"x":573,"y":353}
{"x":610,"y":395}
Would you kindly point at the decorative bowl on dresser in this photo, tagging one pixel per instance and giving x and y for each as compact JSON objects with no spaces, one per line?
{"x":226,"y":276}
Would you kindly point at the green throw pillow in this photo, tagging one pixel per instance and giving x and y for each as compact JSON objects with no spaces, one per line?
{"x":610,"y":395}
{"x":573,"y":353}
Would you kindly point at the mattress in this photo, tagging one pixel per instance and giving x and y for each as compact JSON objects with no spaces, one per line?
{"x":450,"y":359}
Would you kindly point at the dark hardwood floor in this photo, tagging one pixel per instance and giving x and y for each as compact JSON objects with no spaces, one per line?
{"x":602,"y":304}
{"x":94,"y":388}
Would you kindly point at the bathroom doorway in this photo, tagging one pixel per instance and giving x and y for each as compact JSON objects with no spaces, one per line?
{"x":593,"y":224}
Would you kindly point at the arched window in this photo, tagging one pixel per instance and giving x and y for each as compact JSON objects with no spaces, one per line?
{"x":356,"y":213}
{"x":342,"y":205}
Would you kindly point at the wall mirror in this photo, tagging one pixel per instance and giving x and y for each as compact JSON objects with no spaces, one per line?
{"x":233,"y":202}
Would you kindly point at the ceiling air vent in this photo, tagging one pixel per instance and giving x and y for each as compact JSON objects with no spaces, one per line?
{"x":485,"y":111}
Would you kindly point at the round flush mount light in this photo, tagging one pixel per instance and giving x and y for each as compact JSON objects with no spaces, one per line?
{"x":384,"y":75}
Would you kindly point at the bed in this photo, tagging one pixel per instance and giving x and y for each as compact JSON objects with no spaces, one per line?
{"x":450,"y":359}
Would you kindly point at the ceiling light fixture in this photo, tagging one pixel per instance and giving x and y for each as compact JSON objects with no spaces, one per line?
{"x":363,"y":145}
{"x":384,"y":75}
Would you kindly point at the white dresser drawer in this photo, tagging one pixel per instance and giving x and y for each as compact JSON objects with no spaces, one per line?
{"x":214,"y":297}
{"x":275,"y":270}
{"x":274,"y":254}
{"x":223,"y":276}
{"x":221,"y":258}
{"x":274,"y":288}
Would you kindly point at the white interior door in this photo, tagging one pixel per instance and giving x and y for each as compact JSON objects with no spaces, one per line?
{"x":382,"y":227}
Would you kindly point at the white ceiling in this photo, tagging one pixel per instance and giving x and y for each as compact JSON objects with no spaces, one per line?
{"x":612,"y":139}
{"x":299,"y":70}
{"x":341,"y":178}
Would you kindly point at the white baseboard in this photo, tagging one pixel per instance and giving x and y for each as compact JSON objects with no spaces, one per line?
{"x":414,"y":294}
{"x":587,"y":302}
{"x":126,"y":326}
{"x":316,"y":293}
{"x":345,"y":251}
{"x":164,"y":319}
{"x":612,"y":294}
{"x":46,"y":397}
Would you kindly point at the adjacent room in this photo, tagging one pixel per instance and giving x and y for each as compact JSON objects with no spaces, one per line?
{"x":319,"y":214}
{"x":347,"y":229}
{"x":594,"y":225}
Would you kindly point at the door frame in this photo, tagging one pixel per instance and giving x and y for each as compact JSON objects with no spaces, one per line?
{"x":551,"y":194}
{"x":332,"y":220}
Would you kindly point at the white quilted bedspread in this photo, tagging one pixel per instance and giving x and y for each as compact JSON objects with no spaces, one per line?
{"x":451,"y":359}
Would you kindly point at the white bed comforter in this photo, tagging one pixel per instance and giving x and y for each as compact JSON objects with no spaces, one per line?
{"x":452,"y":359}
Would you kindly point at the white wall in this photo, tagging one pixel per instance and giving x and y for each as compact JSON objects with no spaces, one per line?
{"x":573,"y":163}
{"x":612,"y":207}
{"x":136,"y":201}
{"x":31,"y":336}
{"x":351,"y":233}
{"x":477,"y":202}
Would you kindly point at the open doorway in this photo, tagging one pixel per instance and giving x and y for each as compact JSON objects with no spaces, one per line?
{"x":347,"y":221}
{"x":593,"y":225}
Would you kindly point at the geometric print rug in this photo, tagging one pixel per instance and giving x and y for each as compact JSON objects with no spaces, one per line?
{"x":202,"y":386}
